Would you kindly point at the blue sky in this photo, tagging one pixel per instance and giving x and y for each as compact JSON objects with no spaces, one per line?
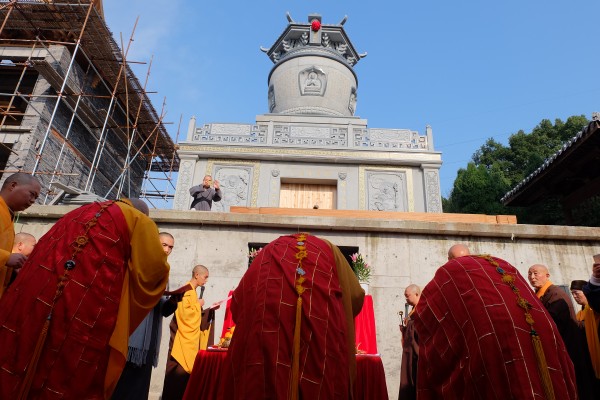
{"x":470,"y":69}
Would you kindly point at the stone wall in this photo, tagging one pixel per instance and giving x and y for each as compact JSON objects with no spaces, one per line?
{"x":402,"y":252}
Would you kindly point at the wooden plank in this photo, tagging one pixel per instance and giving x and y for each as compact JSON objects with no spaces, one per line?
{"x":365,"y":214}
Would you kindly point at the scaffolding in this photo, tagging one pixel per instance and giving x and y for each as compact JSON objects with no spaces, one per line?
{"x":94,"y":103}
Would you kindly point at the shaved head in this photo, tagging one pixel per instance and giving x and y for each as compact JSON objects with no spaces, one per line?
{"x":538,"y":275}
{"x":140,"y":205}
{"x":24,"y":243}
{"x":412,"y":294}
{"x":21,"y":178}
{"x":199,"y":269}
{"x":458,"y":250}
{"x":20,"y":191}
{"x":412,"y":288}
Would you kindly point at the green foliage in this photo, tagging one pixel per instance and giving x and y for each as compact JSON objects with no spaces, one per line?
{"x":497,"y":168}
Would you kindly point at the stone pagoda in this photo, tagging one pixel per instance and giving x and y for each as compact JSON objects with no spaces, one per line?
{"x":310,"y":150}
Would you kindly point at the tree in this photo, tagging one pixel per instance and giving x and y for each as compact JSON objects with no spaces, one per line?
{"x":496,"y":168}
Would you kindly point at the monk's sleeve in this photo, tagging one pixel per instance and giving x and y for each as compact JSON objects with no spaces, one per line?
{"x":148,"y":268}
{"x":144,"y":283}
{"x":353,"y":297}
{"x":7,"y":236}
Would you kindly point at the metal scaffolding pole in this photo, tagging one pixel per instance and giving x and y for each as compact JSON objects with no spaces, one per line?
{"x":127,"y":162}
{"x":139,"y":142}
{"x":60,"y":94}
{"x":104,"y":133}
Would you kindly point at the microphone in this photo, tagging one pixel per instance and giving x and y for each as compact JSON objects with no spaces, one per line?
{"x":202,"y":292}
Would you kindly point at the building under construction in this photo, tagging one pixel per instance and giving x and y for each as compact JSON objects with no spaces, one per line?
{"x":72,"y":112}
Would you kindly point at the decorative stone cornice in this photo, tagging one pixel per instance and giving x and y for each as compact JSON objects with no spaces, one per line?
{"x":314,"y":39}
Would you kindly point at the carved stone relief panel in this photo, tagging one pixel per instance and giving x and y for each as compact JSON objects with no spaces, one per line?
{"x":432,"y":192}
{"x":231,"y":134}
{"x":386,"y":191}
{"x":238,"y":180}
{"x":235,"y":182}
{"x":310,"y":136}
{"x":184,"y":183}
{"x":312,"y":81}
{"x":389,"y":139}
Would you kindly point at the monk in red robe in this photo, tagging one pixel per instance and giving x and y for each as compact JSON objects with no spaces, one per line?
{"x":294,"y":311}
{"x":482,"y":333}
{"x":66,"y":320}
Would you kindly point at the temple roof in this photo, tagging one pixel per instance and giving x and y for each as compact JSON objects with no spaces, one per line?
{"x":572,"y":173}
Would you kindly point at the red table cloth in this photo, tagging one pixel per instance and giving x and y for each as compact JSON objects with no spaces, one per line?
{"x":206,"y":377}
{"x":366,"y":337}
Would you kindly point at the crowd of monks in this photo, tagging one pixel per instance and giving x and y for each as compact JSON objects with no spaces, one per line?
{"x":81,"y":312}
{"x":479,"y":330}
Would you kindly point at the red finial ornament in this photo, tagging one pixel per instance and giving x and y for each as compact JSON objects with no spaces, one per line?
{"x":315,"y":25}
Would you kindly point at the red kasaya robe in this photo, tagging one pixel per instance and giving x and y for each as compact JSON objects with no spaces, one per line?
{"x":474,"y":341}
{"x":119,"y":275}
{"x":263,"y":306}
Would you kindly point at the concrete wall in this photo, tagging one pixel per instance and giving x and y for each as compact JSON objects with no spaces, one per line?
{"x":402,"y":252}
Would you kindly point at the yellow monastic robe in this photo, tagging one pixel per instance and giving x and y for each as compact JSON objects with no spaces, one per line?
{"x":187,"y":338}
{"x":7,"y":238}
{"x":592,"y":320}
{"x":143,"y":287}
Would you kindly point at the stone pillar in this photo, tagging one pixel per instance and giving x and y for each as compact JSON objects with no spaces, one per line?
{"x":187,"y":167}
{"x":191,"y":129}
{"x":431,"y":186}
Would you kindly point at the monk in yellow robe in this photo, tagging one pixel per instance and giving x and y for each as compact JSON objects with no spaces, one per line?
{"x":19,"y":191}
{"x":187,"y":333}
{"x":66,"y":319}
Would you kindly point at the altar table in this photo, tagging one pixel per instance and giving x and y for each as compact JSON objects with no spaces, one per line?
{"x":206,"y":378}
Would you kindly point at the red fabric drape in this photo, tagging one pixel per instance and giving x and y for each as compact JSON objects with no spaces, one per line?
{"x":366,"y":335}
{"x":228,"y":321}
{"x":370,"y":378}
{"x":207,"y":377}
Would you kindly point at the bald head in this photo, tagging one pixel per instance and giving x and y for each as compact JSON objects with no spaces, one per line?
{"x":21,"y":178}
{"x":538,"y":275}
{"x":20,"y":191}
{"x":412,"y":293}
{"x":167,"y":241}
{"x":140,"y":205}
{"x":24,"y":244}
{"x":458,"y":250}
{"x":199,"y":275}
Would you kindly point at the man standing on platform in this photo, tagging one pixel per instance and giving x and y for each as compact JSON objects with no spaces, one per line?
{"x":66,"y":320}
{"x":560,"y":308}
{"x":187,"y":334}
{"x":294,"y":312}
{"x":144,"y":344}
{"x":19,"y":191}
{"x":410,"y":347}
{"x":484,"y":335}
{"x":204,"y":195}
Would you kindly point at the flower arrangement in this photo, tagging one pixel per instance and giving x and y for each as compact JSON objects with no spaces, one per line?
{"x":252,"y":254}
{"x":361,"y":269}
